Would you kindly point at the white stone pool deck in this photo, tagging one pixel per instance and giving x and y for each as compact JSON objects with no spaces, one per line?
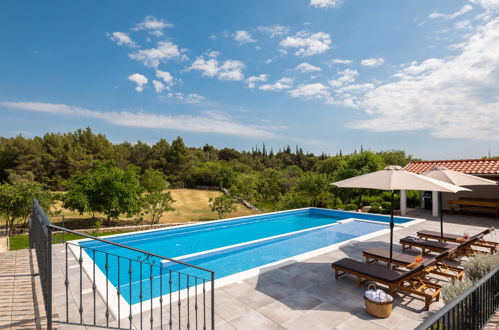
{"x":301,"y":295}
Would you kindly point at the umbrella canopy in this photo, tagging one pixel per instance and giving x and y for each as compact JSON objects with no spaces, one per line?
{"x":395,"y":178}
{"x":453,"y":177}
{"x":456,"y":178}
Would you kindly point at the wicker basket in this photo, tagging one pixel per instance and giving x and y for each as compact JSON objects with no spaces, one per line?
{"x":378,"y":309}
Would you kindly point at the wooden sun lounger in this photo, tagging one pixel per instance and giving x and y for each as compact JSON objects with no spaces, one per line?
{"x":409,"y":242}
{"x":413,"y":281}
{"x":463,"y":249}
{"x":407,"y":260}
{"x":428,"y":234}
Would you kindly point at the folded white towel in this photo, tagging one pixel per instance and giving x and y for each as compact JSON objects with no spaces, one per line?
{"x":378,"y":296}
{"x":371,"y":295}
{"x":383,"y":296}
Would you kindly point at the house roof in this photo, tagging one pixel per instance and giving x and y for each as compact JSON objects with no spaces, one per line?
{"x":469,"y":166}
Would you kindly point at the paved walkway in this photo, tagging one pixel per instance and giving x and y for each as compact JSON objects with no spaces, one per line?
{"x":20,"y":295}
{"x":3,"y":243}
{"x":493,"y":323}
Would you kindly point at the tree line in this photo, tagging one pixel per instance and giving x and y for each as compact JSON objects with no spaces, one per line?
{"x":271,"y":180}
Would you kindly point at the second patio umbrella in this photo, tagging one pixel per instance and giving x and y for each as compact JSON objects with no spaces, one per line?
{"x":456,"y":178}
{"x":395,"y":178}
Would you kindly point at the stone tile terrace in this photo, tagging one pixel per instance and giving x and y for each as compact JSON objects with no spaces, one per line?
{"x":301,"y":295}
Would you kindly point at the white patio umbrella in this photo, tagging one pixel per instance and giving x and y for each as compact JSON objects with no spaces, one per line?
{"x":395,"y":178}
{"x":442,"y":173}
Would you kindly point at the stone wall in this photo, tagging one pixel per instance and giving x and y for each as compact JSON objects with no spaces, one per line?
{"x":127,"y":228}
{"x":213,"y":188}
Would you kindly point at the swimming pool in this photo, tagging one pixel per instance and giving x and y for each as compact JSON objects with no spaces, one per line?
{"x":227,"y":247}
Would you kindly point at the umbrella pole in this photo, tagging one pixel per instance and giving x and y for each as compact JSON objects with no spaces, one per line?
{"x":391,"y":231}
{"x":441,"y":214}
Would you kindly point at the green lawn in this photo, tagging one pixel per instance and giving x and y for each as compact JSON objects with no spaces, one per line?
{"x":18,"y":242}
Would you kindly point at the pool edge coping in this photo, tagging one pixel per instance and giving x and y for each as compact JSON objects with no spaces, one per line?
{"x":182,"y":294}
{"x":248,"y":216}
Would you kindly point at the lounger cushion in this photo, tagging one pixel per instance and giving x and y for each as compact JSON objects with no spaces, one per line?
{"x":401,"y":258}
{"x":376,"y":271}
{"x":436,"y":234}
{"x":429,"y":244}
{"x":380,"y":273}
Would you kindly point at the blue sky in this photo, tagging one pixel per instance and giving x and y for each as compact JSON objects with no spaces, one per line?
{"x":327,"y":75}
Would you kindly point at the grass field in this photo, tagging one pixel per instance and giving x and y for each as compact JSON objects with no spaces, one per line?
{"x":190,"y":205}
{"x":18,"y":242}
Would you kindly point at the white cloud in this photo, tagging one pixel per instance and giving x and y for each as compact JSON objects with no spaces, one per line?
{"x":253,"y":80}
{"x":346,"y":76}
{"x":153,"y":25}
{"x":306,"y":67}
{"x":213,"y":53}
{"x":231,"y":70}
{"x":206,"y":123}
{"x":274,"y":30}
{"x":166,"y":77}
{"x":159,"y":87}
{"x":228,"y":70}
{"x":194,"y":98}
{"x":325,"y":3}
{"x":121,"y":38}
{"x":187,"y":98}
{"x":140,"y":80}
{"x":466,"y":24}
{"x":165,"y":50}
{"x":283,"y":83}
{"x":243,"y":37}
{"x":311,"y":91}
{"x":354,"y":88}
{"x":308,"y":44}
{"x":487,"y":4}
{"x":416,"y":68}
{"x":462,"y":11}
{"x":208,"y":68}
{"x":339,"y":61}
{"x":452,"y":97}
{"x":372,"y":62}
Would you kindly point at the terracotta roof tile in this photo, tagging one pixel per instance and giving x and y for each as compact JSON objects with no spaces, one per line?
{"x":470,"y":166}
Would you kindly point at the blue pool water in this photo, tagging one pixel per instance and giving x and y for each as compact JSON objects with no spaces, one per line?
{"x":176,"y":242}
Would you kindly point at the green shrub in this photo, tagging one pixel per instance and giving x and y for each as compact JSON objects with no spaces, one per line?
{"x":413,"y":198}
{"x":139,"y":219}
{"x":97,"y":226}
{"x":350,"y":207}
{"x":386,"y":205}
{"x":376,"y":205}
{"x":336,"y":203}
{"x":474,"y":268}
{"x":480,"y":265}
{"x":387,"y":197}
{"x":368,"y":200}
{"x":452,"y":290}
{"x":375,"y":210}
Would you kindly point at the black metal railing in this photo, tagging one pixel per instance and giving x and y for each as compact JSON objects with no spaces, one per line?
{"x":40,"y":239}
{"x":471,"y":310}
{"x":135,"y":289}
